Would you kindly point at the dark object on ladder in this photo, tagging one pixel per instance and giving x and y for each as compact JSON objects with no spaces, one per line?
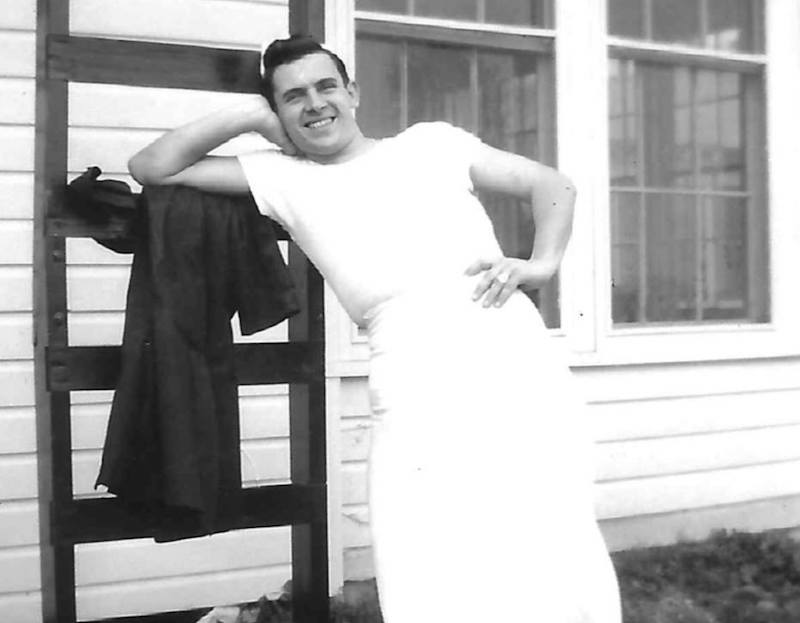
{"x":61,"y":368}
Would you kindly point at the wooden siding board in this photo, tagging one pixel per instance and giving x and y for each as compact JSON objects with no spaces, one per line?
{"x":16,"y":336}
{"x":16,"y":190}
{"x":17,"y":101}
{"x":17,"y":153}
{"x":178,"y":593}
{"x":15,"y":286}
{"x":662,"y":494}
{"x":18,"y":15}
{"x":19,"y":524}
{"x":683,"y":454}
{"x":666,"y":528}
{"x":25,"y":607}
{"x":17,"y":54}
{"x":685,"y":416}
{"x":16,"y":243}
{"x":18,"y":426}
{"x":17,"y":379}
{"x":236,"y":24}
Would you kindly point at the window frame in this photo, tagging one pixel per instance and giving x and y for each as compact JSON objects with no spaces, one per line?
{"x":581,"y":48}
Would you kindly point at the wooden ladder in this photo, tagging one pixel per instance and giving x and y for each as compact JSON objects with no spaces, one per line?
{"x":61,"y":368}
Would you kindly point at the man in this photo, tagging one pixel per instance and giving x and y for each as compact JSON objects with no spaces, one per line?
{"x":308,"y":109}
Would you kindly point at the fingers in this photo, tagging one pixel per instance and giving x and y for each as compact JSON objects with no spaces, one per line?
{"x":499,"y":281}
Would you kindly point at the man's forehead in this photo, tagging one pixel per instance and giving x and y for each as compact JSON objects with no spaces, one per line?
{"x":306,"y":70}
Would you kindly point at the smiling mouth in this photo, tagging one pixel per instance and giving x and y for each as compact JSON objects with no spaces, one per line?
{"x":320,"y":123}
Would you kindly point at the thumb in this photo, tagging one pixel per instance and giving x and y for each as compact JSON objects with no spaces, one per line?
{"x":478,"y":266}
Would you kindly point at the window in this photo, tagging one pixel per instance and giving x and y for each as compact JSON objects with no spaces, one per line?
{"x":494,"y":81}
{"x":687,"y":153}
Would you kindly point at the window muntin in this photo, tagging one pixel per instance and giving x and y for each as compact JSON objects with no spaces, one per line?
{"x":503,"y":95}
{"x":688,"y":205}
{"x":508,"y":12}
{"x":725,"y":25}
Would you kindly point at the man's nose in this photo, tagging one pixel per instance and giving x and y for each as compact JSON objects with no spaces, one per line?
{"x":314,"y":101}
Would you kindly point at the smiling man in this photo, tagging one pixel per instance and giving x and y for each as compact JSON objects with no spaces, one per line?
{"x":479,"y":461}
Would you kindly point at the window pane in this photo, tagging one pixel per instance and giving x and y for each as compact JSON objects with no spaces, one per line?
{"x":730,"y":25}
{"x":624,"y":124}
{"x":725,"y":258}
{"x":386,"y":6}
{"x":380,"y":83}
{"x":510,"y":12}
{"x":626,"y":18}
{"x":701,"y":252}
{"x":626,"y":257}
{"x":439,"y":85}
{"x":671,"y":251}
{"x":735,"y":25}
{"x":666,"y":109}
{"x":676,"y":21}
{"x":519,"y":12}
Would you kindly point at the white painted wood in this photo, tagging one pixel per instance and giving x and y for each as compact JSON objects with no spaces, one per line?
{"x":142,"y":108}
{"x":354,"y":397}
{"x":19,"y":523}
{"x":647,"y":382}
{"x":16,"y":189}
{"x":17,"y":431}
{"x":18,"y":15}
{"x":354,"y":483}
{"x":16,"y":293}
{"x":179,"y":593}
{"x":97,"y":288}
{"x":16,"y":336}
{"x":648,"y":419}
{"x":17,"y":384}
{"x":22,"y":607}
{"x":19,"y":568}
{"x":17,"y":54}
{"x":625,"y":498}
{"x":17,"y":100}
{"x":143,"y":559}
{"x":685,"y":454}
{"x":19,"y":480}
{"x":235,"y":24}
{"x":667,"y":528}
{"x":16,"y":242}
{"x":17,"y":152}
{"x":359,"y":563}
{"x":85,"y":251}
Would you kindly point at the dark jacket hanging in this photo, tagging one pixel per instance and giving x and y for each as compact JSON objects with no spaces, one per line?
{"x":172,"y":445}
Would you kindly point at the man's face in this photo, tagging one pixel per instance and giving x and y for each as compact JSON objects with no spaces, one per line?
{"x":315,"y":106}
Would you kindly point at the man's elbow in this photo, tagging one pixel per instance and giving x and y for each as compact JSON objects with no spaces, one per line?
{"x":145,"y":171}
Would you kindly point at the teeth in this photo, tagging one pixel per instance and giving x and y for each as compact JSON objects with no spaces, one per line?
{"x":320,"y":123}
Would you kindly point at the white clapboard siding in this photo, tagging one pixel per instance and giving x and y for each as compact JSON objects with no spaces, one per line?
{"x":17,"y":54}
{"x":705,"y":378}
{"x":17,"y":382}
{"x":16,"y":189}
{"x":662,"y":494}
{"x":15,"y":286}
{"x":229,"y":23}
{"x":16,"y":242}
{"x":699,"y":414}
{"x":19,"y":522}
{"x":18,"y":426}
{"x":16,"y":336}
{"x":179,"y":592}
{"x":17,"y":153}
{"x":696,"y":453}
{"x":17,"y":100}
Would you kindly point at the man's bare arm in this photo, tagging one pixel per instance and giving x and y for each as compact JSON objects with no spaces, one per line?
{"x":552,"y":196}
{"x":180,"y":156}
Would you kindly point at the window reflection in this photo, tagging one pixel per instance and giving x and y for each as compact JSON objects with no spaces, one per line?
{"x":509,"y":12}
{"x":687,"y":212}
{"x":727,"y":25}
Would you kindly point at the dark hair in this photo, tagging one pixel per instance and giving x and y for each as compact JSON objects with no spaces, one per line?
{"x":284,"y":51}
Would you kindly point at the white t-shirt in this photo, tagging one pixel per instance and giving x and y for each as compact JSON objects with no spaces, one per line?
{"x":401,"y":214}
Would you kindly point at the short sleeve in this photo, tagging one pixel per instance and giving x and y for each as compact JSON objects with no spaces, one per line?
{"x":454,"y":148}
{"x":264,"y":171}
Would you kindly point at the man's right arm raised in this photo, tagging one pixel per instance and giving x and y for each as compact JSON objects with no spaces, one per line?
{"x":180,"y":157}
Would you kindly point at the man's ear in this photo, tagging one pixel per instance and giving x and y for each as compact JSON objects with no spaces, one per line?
{"x":355,"y":93}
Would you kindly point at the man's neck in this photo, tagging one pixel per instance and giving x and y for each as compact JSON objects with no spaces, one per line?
{"x":359,"y":145}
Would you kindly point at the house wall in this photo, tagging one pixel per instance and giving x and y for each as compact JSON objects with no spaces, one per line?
{"x":107,"y":124}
